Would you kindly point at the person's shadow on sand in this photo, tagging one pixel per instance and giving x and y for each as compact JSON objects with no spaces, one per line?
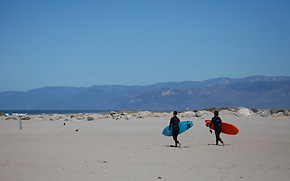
{"x":219,"y":145}
{"x":172,"y":146}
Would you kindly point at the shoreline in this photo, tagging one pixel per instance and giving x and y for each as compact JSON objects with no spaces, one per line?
{"x":236,"y":112}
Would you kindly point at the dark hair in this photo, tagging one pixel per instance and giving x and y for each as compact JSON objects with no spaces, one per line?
{"x":216,"y":113}
{"x":175,"y":112}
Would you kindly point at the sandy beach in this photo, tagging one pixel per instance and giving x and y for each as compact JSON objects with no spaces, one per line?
{"x":135,"y":149}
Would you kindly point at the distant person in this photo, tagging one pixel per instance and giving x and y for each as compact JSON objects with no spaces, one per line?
{"x":217,"y":123}
{"x":174,"y":122}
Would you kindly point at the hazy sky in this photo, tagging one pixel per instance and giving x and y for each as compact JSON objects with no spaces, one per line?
{"x":140,"y":42}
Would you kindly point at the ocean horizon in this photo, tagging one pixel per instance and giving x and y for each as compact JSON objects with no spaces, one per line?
{"x":36,"y":112}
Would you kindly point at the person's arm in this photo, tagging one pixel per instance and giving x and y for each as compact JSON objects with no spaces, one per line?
{"x":169,"y":126}
{"x":210,"y":124}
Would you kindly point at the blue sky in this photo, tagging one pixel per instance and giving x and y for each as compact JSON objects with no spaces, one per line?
{"x":140,"y":42}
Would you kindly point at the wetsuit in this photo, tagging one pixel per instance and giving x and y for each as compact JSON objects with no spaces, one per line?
{"x":217,"y":123}
{"x":174,"y":122}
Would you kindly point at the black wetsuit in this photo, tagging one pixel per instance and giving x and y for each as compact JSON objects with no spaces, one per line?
{"x":174,"y":122}
{"x":217,"y":123}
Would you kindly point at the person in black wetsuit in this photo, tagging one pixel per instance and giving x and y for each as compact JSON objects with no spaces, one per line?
{"x":217,"y":122}
{"x":174,"y":123}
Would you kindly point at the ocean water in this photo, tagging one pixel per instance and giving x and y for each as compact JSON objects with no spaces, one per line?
{"x":33,"y":112}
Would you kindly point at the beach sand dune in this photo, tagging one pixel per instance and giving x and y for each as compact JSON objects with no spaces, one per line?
{"x":135,"y":149}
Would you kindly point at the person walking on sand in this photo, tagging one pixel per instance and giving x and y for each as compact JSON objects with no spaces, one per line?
{"x":174,"y":122}
{"x":217,"y":123}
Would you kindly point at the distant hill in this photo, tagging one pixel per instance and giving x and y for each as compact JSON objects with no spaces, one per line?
{"x":252,"y":92}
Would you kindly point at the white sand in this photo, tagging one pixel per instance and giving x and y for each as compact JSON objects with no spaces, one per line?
{"x":135,"y":149}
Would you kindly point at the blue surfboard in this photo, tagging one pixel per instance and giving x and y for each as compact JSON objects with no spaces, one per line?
{"x":183,"y":126}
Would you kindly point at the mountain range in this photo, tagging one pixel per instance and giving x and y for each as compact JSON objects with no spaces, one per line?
{"x":263,"y":92}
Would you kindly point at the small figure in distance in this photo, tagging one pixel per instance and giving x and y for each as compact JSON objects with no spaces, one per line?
{"x":174,"y":122}
{"x":217,"y":122}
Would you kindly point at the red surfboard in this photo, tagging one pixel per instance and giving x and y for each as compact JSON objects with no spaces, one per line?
{"x":226,"y":128}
